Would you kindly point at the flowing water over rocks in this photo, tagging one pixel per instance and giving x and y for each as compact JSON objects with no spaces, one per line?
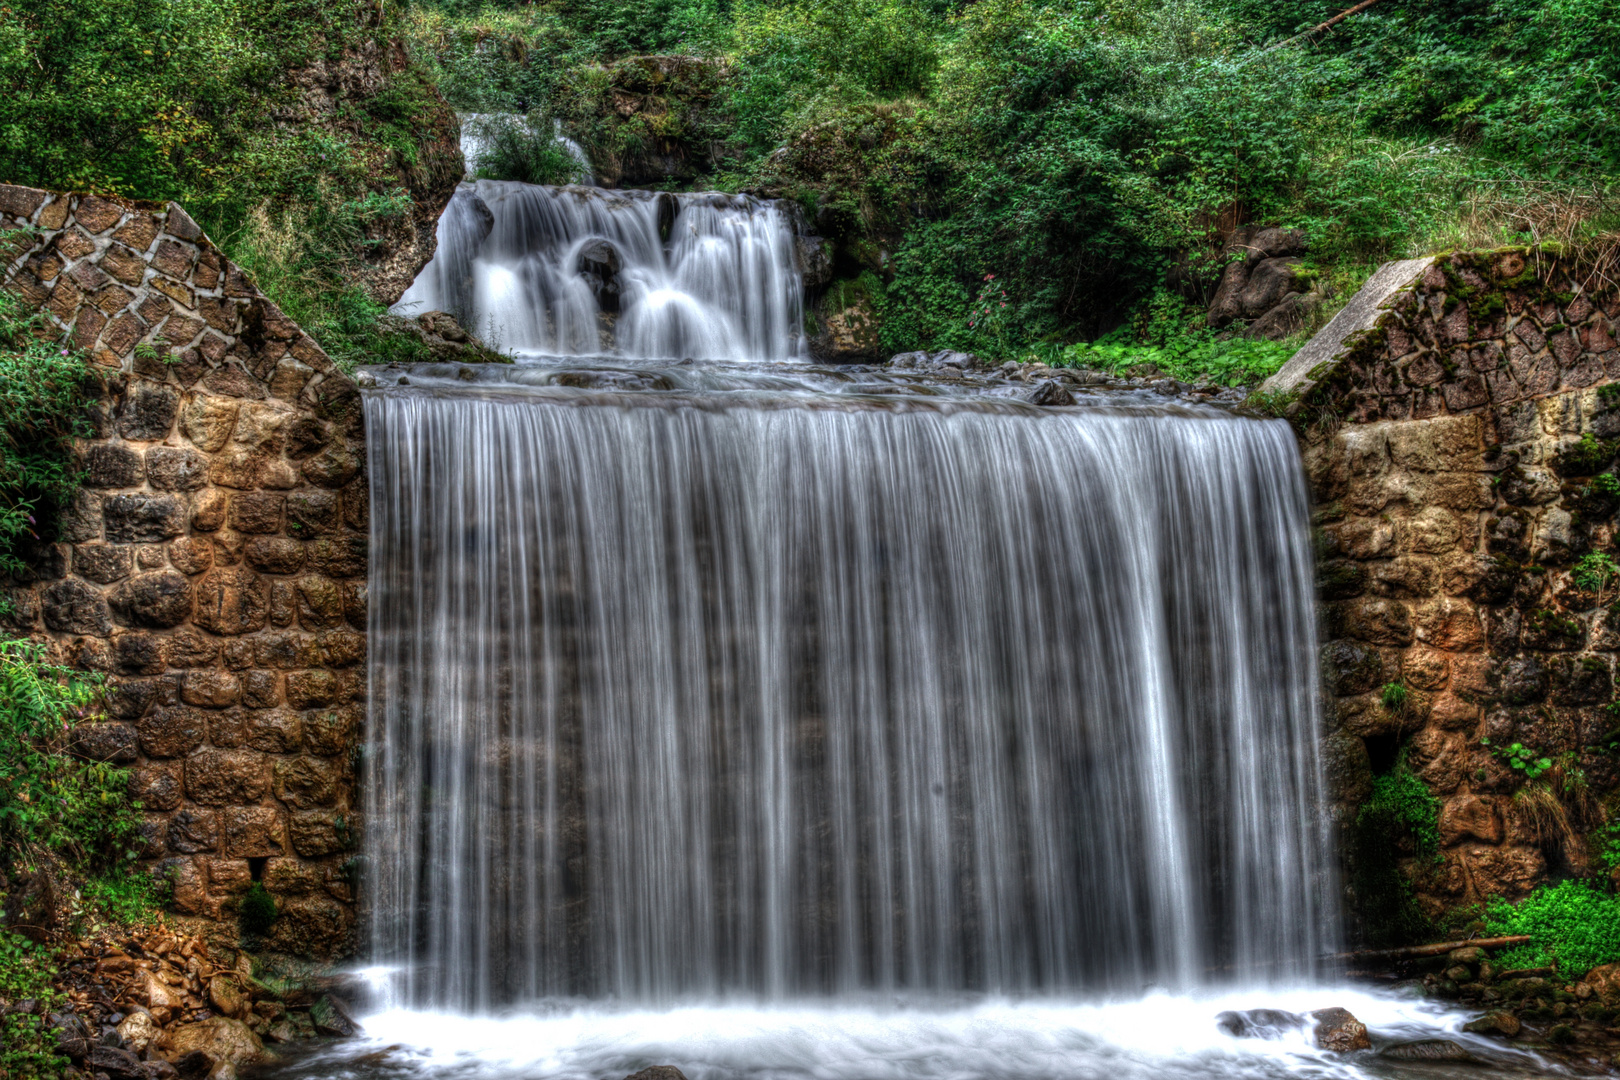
{"x":578,"y":271}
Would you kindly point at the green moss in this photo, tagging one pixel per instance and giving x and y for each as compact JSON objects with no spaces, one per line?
{"x":1400,"y":814}
{"x":1585,"y":458}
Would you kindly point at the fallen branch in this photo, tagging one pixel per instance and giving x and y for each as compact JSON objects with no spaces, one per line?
{"x":1313,"y":31}
{"x":1414,"y":952}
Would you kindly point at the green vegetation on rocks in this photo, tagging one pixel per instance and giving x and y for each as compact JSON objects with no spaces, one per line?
{"x":1575,"y":926}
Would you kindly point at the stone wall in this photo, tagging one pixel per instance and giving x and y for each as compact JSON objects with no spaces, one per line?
{"x":1455,"y":443}
{"x":214,"y":565}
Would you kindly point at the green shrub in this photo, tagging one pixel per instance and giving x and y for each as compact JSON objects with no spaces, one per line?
{"x":50,"y":799}
{"x":1572,"y":923}
{"x":44,"y":387}
{"x":27,"y":1047}
{"x":522,"y":148}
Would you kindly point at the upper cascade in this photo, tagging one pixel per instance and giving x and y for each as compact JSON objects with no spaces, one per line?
{"x":582,"y":271}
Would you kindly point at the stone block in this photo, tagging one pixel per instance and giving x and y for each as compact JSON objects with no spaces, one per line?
{"x":1451,"y":713}
{"x":208,"y":421}
{"x":157,"y":785}
{"x":231,"y":600}
{"x":128,"y":699}
{"x":97,"y":214}
{"x":285,"y":651}
{"x":123,"y":264}
{"x":1376,"y":621}
{"x":312,"y":513}
{"x":275,"y":730}
{"x":229,"y":877}
{"x":209,"y":510}
{"x":226,"y":777}
{"x":339,"y":557}
{"x":254,"y":832}
{"x":189,"y":648}
{"x":342,"y":648}
{"x":261,"y":689}
{"x":138,"y":654}
{"x":191,"y":555}
{"x":155,"y":600}
{"x":319,"y":832}
{"x":142,"y":518}
{"x":333,"y":467}
{"x":306,"y":783}
{"x":115,"y":742}
{"x":171,"y":731}
{"x":1450,"y":624}
{"x":211,"y":689}
{"x":274,"y":555}
{"x":103,"y":563}
{"x":175,"y":468}
{"x":1350,"y":668}
{"x":189,"y":887}
{"x":230,"y":380}
{"x":320,"y":603}
{"x":74,"y":607}
{"x":313,"y":926}
{"x":327,"y":732}
{"x":112,"y":465}
{"x":257,"y":513}
{"x":262,"y":426}
{"x":311,"y":689}
{"x":193,"y":831}
{"x":173,"y":259}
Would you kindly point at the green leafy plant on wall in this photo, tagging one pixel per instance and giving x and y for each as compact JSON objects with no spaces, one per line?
{"x":1400,"y":814}
{"x":44,"y":387}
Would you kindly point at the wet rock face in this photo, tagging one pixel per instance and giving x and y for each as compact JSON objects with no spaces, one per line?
{"x":213,"y":569}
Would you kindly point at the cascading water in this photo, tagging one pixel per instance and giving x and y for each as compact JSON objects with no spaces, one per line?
{"x":580,"y":271}
{"x":775,"y":721}
{"x":686,"y":700}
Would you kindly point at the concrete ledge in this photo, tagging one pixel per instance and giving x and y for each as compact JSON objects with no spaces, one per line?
{"x":1361,"y":313}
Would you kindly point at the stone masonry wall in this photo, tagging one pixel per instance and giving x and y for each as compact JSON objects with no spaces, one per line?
{"x":1460,"y":453}
{"x":214,"y":565}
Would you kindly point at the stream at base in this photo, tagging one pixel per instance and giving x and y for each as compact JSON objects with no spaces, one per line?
{"x":1155,"y":1037}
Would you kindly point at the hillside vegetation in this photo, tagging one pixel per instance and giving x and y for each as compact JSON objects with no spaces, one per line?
{"x":1089,"y":155}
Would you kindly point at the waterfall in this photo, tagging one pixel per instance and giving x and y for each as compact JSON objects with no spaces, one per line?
{"x":684,"y":699}
{"x":582,"y":271}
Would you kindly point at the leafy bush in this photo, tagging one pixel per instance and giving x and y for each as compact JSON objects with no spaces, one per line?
{"x":26,"y":1045}
{"x":50,"y":799}
{"x":43,"y":389}
{"x":1573,"y":925}
{"x":522,"y":148}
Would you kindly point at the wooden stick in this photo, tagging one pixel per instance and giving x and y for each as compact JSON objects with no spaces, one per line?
{"x":1413,"y":952}
{"x":1313,"y":31}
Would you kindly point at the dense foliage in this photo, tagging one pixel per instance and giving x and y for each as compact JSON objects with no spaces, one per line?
{"x":1575,"y":925}
{"x":55,"y":804}
{"x":1079,"y":150}
{"x":43,"y":387}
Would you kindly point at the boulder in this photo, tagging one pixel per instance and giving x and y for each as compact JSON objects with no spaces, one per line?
{"x":1338,"y":1030}
{"x":1497,"y":1022}
{"x":815,"y":261}
{"x":117,"y":1063}
{"x":1259,"y":1023}
{"x":139,"y":1030}
{"x":224,"y":1041}
{"x":228,"y":996}
{"x":1268,"y":283}
{"x":1427,"y":1050}
{"x":331,"y":1017}
{"x":658,"y":1072}
{"x":1051,"y":392}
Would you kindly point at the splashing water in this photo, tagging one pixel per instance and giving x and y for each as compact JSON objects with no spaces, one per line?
{"x":581,"y":271}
